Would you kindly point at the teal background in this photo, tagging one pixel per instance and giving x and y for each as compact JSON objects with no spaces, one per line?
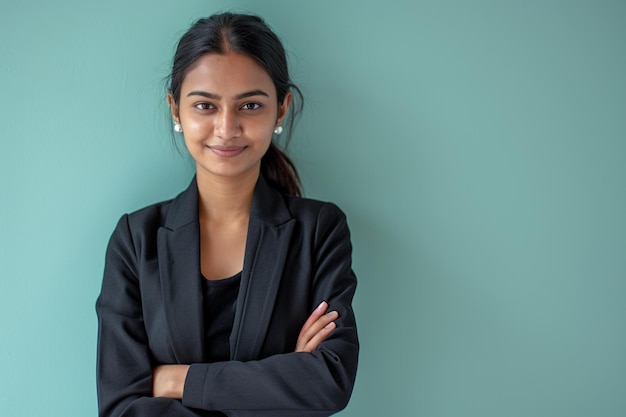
{"x":478,"y":149}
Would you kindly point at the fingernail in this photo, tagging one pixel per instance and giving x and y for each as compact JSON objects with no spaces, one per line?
{"x":321,"y":305}
{"x":329,"y":325}
{"x":333,"y":314}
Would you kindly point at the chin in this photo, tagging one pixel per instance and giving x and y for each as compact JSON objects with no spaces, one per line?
{"x":231,"y":171}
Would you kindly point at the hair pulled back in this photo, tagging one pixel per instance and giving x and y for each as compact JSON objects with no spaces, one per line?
{"x":248,"y":35}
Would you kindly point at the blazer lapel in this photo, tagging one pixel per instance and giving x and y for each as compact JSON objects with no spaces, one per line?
{"x":267,"y":245}
{"x":181,"y":285}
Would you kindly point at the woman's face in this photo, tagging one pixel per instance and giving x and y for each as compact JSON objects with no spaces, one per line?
{"x":228,"y":110}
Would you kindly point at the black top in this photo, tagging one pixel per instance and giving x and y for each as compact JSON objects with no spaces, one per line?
{"x":219,"y":300}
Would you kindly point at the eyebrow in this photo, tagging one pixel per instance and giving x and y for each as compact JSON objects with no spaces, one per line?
{"x":212,"y":96}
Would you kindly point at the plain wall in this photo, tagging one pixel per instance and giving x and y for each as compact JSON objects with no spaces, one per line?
{"x":478,"y":149}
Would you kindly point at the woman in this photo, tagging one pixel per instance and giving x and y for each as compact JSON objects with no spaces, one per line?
{"x":234,"y":298}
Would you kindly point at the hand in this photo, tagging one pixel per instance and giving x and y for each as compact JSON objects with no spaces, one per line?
{"x":169,"y":380}
{"x":317,"y":328}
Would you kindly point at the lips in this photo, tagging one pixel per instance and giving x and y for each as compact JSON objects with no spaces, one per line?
{"x":227,"y":151}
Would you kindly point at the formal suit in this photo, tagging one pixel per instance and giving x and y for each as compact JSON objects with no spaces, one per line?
{"x":298,"y":254}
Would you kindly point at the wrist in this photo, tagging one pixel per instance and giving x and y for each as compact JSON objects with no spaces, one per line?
{"x":169,"y":381}
{"x":178,"y":381}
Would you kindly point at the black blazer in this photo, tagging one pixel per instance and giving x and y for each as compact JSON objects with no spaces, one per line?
{"x":298,"y":254}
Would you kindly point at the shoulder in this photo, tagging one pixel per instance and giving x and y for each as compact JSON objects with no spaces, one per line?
{"x":323,"y":226}
{"x":145,"y":222}
{"x":154,"y":214}
{"x":320,"y":215}
{"x":134,"y":229}
{"x":308,"y":207}
{"x":171,"y":214}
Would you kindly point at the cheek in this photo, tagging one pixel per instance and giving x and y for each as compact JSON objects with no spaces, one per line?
{"x":265,"y":132}
{"x":265,"y":139}
{"x":197,"y":125}
{"x":259,"y":131}
{"x":195,"y":131}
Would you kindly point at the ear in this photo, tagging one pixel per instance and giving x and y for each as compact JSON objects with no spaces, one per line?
{"x":173,"y":107}
{"x":283,"y":108}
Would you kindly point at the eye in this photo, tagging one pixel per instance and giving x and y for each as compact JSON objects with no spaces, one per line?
{"x":204,"y":106}
{"x":251,"y":106}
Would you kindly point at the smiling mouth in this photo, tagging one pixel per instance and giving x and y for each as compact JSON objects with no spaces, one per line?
{"x":227,"y":151}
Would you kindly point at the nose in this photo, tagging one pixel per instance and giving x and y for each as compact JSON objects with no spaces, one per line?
{"x":227,"y":125}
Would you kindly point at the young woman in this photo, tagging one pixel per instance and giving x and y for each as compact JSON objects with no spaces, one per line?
{"x":235,"y":297}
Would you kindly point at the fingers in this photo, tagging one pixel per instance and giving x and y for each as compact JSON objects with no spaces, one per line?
{"x":316,"y":329}
{"x":315,"y":315}
{"x":326,"y":325}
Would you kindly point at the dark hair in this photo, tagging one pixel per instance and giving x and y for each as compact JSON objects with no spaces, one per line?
{"x":251,"y":36}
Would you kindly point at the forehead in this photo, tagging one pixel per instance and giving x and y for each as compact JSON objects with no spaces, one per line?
{"x":227,"y":74}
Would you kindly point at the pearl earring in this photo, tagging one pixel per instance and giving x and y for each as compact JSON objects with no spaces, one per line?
{"x":178,"y":128}
{"x":278,"y":130}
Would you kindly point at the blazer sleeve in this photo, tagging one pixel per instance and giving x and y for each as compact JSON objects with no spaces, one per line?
{"x":124,"y":367}
{"x":294,"y":384}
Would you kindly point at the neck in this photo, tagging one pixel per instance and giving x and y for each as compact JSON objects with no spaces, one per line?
{"x":223,"y":199}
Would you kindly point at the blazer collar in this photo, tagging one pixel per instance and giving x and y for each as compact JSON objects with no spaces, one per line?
{"x":267,"y":205}
{"x":184,"y":208}
{"x":267,"y":244}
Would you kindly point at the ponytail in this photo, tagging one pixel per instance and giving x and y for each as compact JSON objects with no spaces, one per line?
{"x":280,"y":172}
